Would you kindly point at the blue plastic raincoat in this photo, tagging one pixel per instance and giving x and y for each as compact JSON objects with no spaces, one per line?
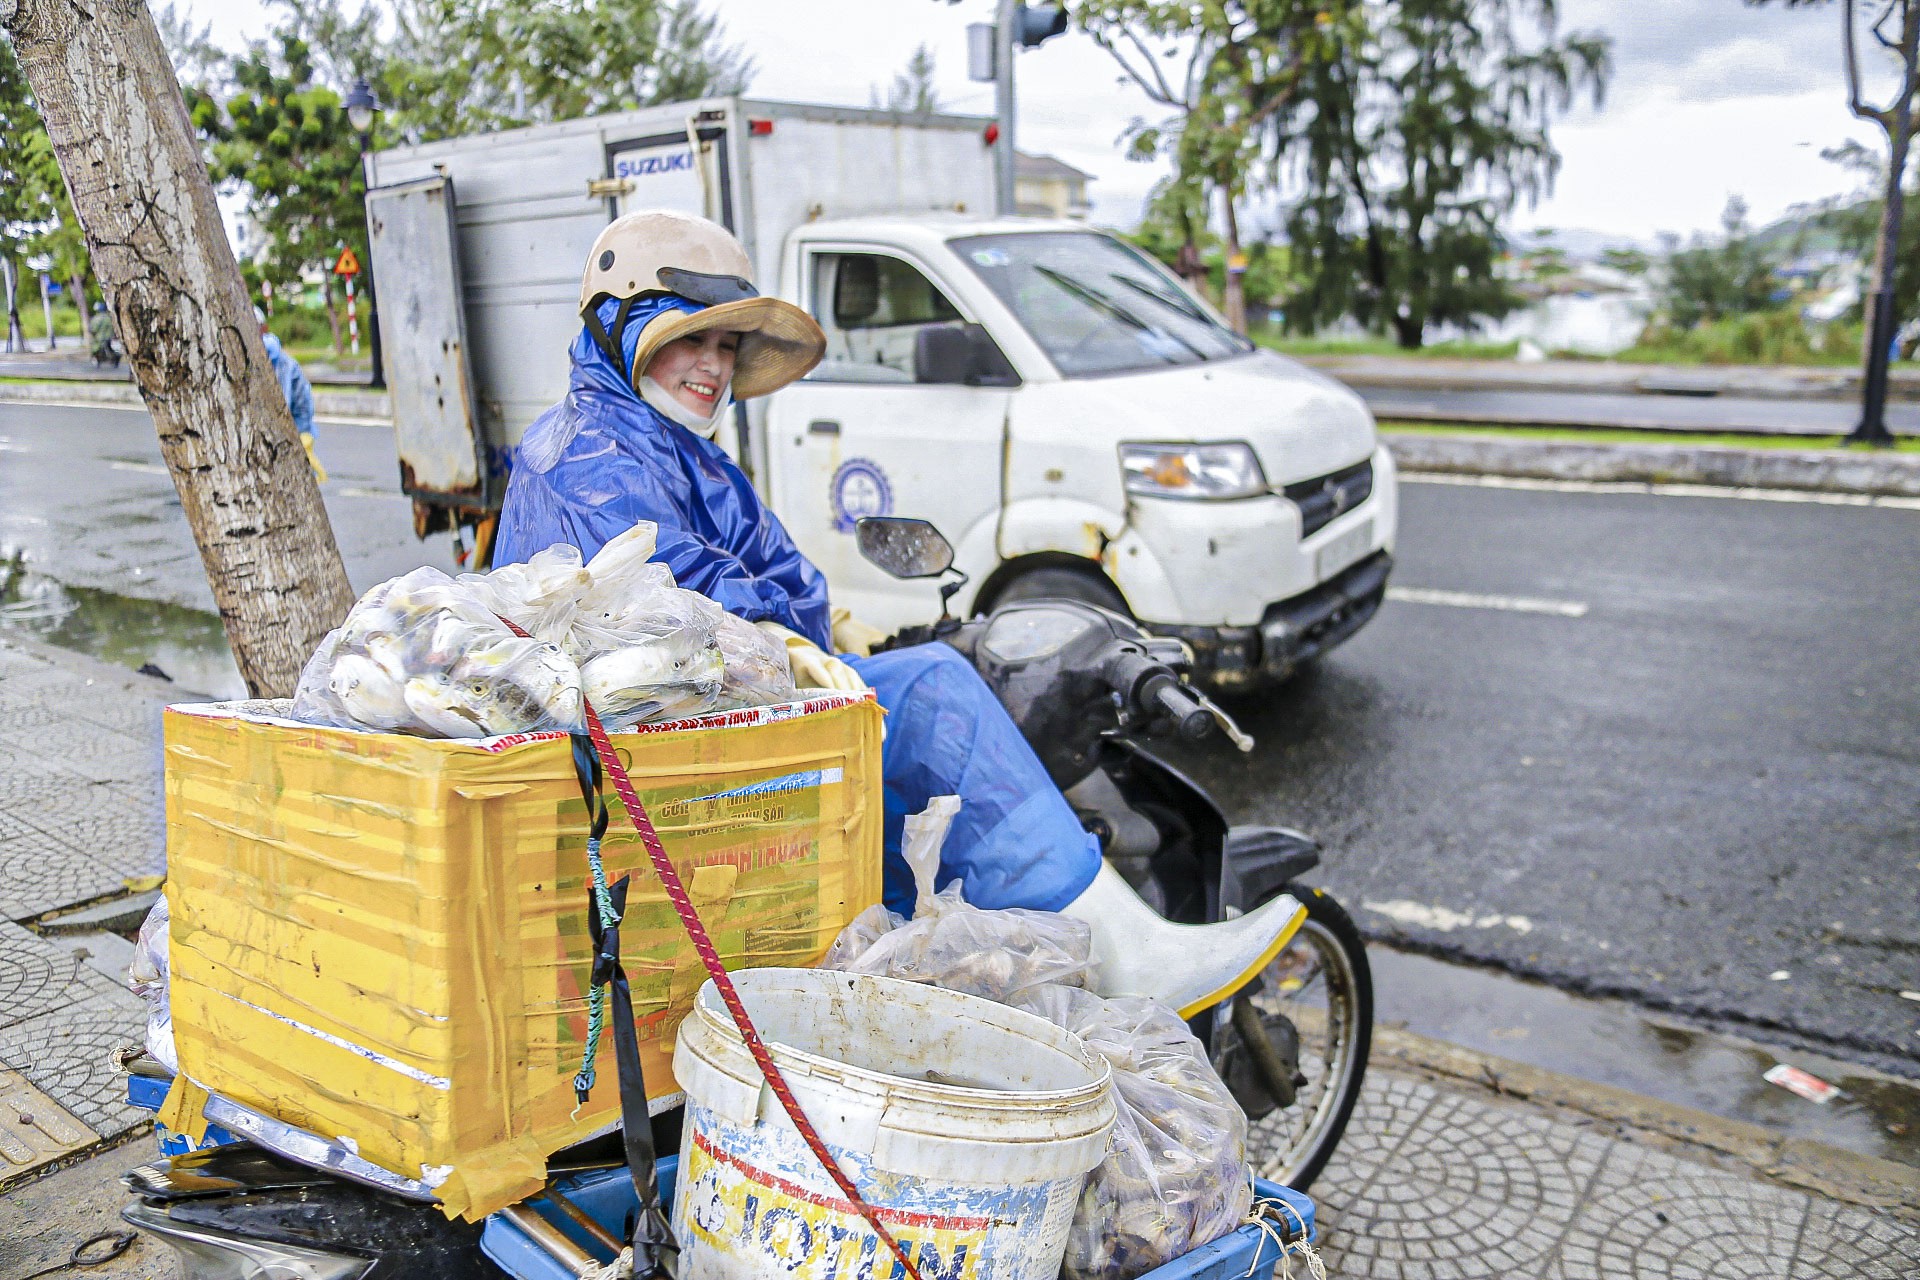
{"x":602,"y":459}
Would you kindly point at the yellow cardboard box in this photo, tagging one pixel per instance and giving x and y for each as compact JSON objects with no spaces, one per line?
{"x":385,"y":938}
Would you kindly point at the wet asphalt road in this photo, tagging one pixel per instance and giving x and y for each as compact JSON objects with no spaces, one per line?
{"x":1709,"y":776}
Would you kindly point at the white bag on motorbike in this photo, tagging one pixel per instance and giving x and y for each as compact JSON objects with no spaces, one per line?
{"x":1175,"y":1175}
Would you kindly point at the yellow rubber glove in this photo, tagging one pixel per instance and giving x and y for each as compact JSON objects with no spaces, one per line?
{"x":319,"y":472}
{"x":812,"y":666}
{"x":850,"y":635}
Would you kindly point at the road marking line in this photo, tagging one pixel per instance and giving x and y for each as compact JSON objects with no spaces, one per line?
{"x":351,"y":492}
{"x":326,"y":418}
{"x":140,"y":468}
{"x":1664,"y":490}
{"x":1472,"y":600}
{"x":1445,"y":919}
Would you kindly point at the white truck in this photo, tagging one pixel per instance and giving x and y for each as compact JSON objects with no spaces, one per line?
{"x":1063,"y":408}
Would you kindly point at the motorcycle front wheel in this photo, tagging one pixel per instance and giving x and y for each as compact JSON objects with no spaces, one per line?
{"x":1314,"y":1006}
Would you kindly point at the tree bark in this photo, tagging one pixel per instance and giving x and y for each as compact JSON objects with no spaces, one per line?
{"x":141,"y":192}
{"x":333,"y":313}
{"x":16,"y":336}
{"x":1235,"y":290}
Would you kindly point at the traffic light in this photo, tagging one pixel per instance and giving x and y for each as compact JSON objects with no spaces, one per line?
{"x":1034,"y":26}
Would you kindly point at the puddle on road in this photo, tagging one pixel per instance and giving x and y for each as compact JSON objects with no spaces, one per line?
{"x":1615,"y":1043}
{"x":190,"y":646}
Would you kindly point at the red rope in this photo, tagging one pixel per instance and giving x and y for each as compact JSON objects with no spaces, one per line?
{"x":690,"y":919}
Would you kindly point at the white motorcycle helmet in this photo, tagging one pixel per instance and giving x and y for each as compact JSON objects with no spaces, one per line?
{"x":661,"y":251}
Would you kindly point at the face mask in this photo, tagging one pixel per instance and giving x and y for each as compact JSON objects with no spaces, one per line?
{"x":670,"y":408}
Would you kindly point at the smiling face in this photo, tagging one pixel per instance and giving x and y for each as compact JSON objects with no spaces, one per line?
{"x":695,"y":369}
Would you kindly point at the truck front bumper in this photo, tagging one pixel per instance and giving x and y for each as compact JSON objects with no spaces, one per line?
{"x":1290,"y":632}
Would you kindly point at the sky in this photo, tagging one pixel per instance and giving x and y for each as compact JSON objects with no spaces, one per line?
{"x":1709,"y":98}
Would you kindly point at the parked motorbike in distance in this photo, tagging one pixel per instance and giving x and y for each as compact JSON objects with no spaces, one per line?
{"x":1085,"y":685}
{"x":106,"y":354}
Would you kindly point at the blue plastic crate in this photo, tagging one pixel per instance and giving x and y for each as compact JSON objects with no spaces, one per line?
{"x":148,"y":1093}
{"x":607,"y":1197}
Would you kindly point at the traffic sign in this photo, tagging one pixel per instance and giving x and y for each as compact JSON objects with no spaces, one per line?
{"x":347,"y":265}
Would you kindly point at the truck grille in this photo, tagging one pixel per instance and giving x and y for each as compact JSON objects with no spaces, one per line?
{"x":1325,"y":497}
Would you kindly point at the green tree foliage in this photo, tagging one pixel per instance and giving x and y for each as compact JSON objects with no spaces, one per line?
{"x":286,"y":140}
{"x":912,"y":91}
{"x":1405,"y":153}
{"x":448,"y":67}
{"x":1223,"y":70}
{"x":1708,"y":282}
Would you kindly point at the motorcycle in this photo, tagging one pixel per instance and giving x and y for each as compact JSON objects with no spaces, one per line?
{"x":1086,"y":686}
{"x":106,"y":354}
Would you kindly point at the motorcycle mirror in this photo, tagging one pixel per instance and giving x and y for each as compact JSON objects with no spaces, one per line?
{"x":903,"y":548}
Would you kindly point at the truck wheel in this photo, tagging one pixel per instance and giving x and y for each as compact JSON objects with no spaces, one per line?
{"x":1057,"y":582}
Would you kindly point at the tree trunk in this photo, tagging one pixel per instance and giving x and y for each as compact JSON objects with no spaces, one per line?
{"x":333,"y":312}
{"x":140,"y":189}
{"x":79,"y":286}
{"x":16,"y":336}
{"x":1235,"y":275}
{"x":1881,"y":320}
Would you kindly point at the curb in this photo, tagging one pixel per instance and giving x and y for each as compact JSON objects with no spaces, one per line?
{"x":1599,"y":377}
{"x":326,"y":404}
{"x":1877,"y":474}
{"x":1814,"y":1167}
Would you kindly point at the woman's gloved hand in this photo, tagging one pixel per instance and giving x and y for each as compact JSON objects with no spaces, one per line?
{"x":306,"y":442}
{"x":850,"y":635}
{"x":813,"y":667}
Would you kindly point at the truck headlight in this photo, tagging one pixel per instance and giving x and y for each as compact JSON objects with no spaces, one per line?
{"x":1203,"y":471}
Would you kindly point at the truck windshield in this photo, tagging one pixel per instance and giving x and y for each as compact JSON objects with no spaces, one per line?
{"x":1096,"y":305}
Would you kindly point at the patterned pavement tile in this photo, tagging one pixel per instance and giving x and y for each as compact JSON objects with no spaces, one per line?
{"x":1653,"y":1216}
{"x":120,"y":827}
{"x":39,"y":975}
{"x":1851,"y":1244}
{"x":69,"y":1054}
{"x":39,"y":874}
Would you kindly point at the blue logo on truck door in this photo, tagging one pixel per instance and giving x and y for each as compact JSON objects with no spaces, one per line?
{"x":859,"y":489}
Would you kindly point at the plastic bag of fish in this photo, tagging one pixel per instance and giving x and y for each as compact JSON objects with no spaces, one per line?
{"x":421,"y":654}
{"x":1175,"y":1175}
{"x":996,"y":955}
{"x":429,"y":655}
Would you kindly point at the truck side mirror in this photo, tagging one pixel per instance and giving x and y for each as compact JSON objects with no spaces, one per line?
{"x":960,"y":355}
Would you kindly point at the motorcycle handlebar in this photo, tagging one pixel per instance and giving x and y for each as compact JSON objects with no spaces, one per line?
{"x":1155,"y":690}
{"x":1191,"y":720}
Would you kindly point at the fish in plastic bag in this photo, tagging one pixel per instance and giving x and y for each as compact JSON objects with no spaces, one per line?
{"x":1175,"y":1175}
{"x":424,"y":654}
{"x":956,"y":946}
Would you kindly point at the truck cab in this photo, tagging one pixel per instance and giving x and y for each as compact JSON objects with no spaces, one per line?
{"x":1068,"y":412}
{"x":1077,"y":423}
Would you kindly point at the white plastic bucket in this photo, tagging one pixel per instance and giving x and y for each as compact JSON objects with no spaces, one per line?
{"x":969,"y":1126}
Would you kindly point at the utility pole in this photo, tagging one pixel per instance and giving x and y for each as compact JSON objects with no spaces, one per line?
{"x":120,"y":133}
{"x":1005,"y":19}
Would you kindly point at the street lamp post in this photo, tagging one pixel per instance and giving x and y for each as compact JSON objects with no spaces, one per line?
{"x":362,"y":106}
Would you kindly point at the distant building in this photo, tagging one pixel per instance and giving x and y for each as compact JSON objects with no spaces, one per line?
{"x":1048,"y":188}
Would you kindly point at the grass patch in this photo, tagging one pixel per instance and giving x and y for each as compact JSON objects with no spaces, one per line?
{"x":1298,"y":346}
{"x":1584,"y":435}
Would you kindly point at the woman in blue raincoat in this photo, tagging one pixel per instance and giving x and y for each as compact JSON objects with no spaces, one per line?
{"x":672,"y":332}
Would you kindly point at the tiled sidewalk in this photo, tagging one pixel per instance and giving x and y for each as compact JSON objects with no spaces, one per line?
{"x":79,"y":821}
{"x":1446,"y":1181}
{"x":1437,"y":1178}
